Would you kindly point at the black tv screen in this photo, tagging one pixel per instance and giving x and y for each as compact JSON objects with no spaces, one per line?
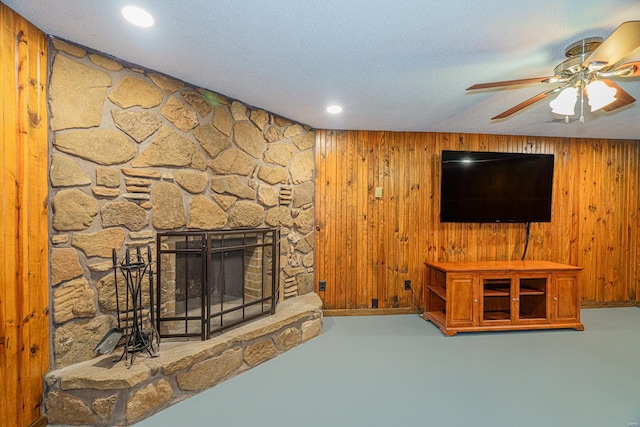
{"x":495,"y":187}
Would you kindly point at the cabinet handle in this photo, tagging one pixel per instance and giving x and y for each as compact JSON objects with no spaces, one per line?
{"x":475,"y":300}
{"x":555,"y":298}
{"x":516,"y":299}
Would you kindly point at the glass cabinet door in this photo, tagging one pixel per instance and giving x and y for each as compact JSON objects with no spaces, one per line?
{"x":496,"y":300}
{"x":532,"y":298}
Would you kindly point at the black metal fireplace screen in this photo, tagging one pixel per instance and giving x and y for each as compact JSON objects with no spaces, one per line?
{"x":214,"y":280}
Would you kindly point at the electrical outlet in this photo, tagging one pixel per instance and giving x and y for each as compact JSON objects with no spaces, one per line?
{"x":374,"y":302}
{"x":322,"y":285}
{"x":407,"y":285}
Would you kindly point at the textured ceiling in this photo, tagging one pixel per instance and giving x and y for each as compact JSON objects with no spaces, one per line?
{"x":401,"y":65}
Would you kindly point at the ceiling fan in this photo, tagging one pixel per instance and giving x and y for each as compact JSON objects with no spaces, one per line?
{"x":589,"y":66}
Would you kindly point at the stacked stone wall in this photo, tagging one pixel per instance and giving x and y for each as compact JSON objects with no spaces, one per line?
{"x":135,"y":152}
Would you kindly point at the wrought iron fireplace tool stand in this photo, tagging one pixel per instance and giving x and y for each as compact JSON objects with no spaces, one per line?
{"x":141,"y":334}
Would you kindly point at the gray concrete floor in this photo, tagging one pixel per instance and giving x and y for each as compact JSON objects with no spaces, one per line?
{"x":401,"y":371}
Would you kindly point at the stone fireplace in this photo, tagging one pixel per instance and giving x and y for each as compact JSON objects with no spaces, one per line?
{"x":133,"y":154}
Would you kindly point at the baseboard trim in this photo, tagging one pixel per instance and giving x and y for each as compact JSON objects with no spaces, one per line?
{"x":610,"y":304}
{"x":412,"y":310}
{"x":369,"y":311}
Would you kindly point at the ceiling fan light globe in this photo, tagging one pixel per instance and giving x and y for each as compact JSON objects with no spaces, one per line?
{"x":600,"y":95}
{"x":564,"y":104}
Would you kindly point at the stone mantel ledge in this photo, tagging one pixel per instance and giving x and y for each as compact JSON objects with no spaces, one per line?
{"x":104,"y":391}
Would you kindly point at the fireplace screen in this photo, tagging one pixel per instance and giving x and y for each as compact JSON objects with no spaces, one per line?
{"x":211,"y":281}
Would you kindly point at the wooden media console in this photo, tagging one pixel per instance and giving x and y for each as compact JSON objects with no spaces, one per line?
{"x":501,"y":295}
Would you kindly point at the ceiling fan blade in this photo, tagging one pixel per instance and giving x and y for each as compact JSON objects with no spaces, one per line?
{"x":528,"y":102}
{"x":622,"y":97}
{"x":619,"y":44}
{"x":509,"y":83}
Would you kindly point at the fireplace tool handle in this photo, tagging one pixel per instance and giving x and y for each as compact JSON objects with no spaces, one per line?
{"x":115,"y":282}
{"x":151,"y":304}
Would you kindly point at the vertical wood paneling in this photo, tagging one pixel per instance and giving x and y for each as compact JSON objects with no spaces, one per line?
{"x":594,"y":214}
{"x":340,"y":276}
{"x":361,"y":294}
{"x":24,"y":322}
{"x":377,"y":277}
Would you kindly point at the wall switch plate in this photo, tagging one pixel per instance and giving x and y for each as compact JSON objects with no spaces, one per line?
{"x":378,"y":193}
{"x":322,"y":286}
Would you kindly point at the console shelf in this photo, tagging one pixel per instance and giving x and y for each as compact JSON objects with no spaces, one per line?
{"x":501,"y":295}
{"x":495,"y":293}
{"x":439,"y":291}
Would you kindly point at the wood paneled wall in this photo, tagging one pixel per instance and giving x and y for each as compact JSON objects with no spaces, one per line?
{"x":366,"y":247}
{"x":24,"y":290}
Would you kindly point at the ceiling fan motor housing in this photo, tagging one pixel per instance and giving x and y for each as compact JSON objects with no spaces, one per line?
{"x":576,"y":54}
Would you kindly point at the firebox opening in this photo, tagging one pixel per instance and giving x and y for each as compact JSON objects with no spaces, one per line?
{"x":211,"y":281}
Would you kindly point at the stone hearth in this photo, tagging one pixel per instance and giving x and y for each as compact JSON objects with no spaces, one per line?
{"x":104,"y":392}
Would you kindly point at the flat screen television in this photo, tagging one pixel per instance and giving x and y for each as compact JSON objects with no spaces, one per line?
{"x":495,"y":187}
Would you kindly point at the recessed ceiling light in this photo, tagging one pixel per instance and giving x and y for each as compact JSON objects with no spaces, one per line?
{"x":334,"y":109}
{"x":137,"y":16}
